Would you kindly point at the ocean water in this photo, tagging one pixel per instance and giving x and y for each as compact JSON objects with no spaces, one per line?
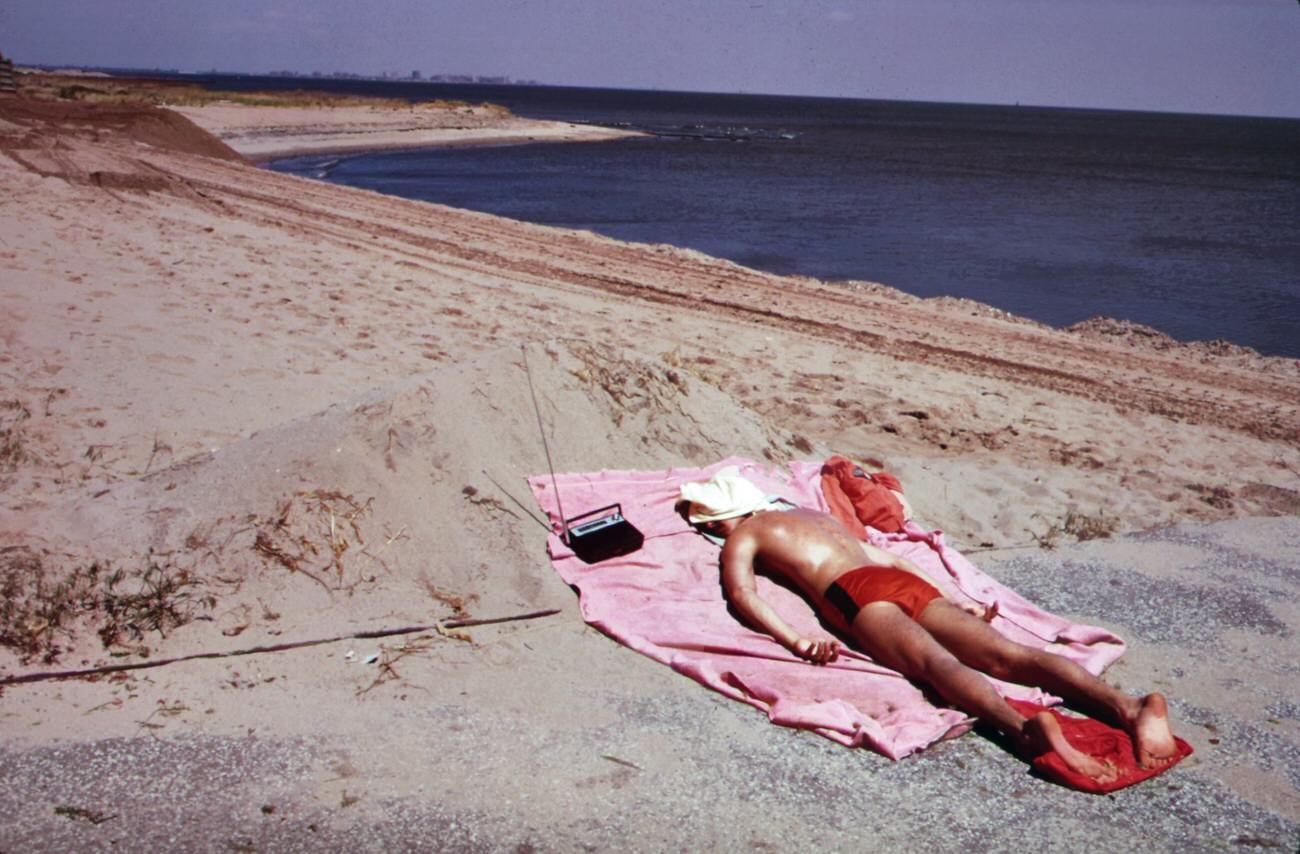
{"x":1189,"y":224}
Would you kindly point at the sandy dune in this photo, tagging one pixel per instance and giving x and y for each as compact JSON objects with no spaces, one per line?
{"x":308,"y":402}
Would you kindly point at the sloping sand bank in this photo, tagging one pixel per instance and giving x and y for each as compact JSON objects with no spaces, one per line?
{"x":287,"y":410}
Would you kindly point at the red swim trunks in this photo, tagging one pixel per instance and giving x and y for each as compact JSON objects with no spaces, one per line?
{"x":860,"y":587}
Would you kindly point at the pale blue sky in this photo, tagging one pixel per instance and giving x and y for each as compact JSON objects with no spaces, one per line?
{"x":1209,"y":56}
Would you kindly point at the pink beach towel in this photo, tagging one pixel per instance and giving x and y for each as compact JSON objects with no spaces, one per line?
{"x":665,"y":600}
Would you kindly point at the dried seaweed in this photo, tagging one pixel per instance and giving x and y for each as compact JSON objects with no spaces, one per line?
{"x":389,"y":656}
{"x":454,"y":601}
{"x":83,"y":814}
{"x":311,"y":533}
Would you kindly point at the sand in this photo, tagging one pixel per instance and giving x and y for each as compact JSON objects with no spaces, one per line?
{"x":303,"y":407}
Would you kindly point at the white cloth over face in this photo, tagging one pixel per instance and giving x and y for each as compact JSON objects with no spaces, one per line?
{"x":726,"y":495}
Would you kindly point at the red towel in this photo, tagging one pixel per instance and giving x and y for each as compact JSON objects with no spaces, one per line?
{"x":857,"y":498}
{"x":1102,"y":742}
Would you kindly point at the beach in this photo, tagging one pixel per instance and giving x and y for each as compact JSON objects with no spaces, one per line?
{"x":301,"y":410}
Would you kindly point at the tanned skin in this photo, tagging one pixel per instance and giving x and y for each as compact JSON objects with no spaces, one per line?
{"x":948,"y":647}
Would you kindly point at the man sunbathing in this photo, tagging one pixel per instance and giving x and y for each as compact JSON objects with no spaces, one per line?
{"x":898,"y":617}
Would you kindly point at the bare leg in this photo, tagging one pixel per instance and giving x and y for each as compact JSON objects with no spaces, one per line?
{"x":898,"y":642}
{"x":979,"y":646}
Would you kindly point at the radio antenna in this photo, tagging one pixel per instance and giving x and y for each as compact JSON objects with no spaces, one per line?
{"x":564,"y":526}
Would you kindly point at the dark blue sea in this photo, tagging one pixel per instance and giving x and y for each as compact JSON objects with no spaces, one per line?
{"x":1189,"y":224}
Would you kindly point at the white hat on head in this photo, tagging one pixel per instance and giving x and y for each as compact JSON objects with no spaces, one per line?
{"x":723,"y":496}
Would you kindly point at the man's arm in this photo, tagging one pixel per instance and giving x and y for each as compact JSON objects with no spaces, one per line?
{"x":738,"y":584}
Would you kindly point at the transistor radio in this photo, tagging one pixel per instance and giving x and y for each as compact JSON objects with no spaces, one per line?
{"x":607,"y":533}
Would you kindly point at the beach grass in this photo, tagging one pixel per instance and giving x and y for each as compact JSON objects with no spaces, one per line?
{"x":41,"y":608}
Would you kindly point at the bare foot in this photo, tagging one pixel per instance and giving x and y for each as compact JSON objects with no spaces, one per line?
{"x":1042,"y":732}
{"x":1153,"y":742}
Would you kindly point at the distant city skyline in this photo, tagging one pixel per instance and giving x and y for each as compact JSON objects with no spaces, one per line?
{"x":1205,"y":56}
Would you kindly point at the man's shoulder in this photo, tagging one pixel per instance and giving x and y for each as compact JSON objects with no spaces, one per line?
{"x":762,"y":528}
{"x":791,"y":518}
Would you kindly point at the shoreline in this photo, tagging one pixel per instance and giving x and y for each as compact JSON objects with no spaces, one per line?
{"x":263,"y":148}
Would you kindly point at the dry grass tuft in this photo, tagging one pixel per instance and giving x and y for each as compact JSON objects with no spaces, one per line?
{"x":390,"y":655}
{"x":1080,"y":526}
{"x":42,"y":608}
{"x":311,"y":532}
{"x":14,"y":451}
{"x":1084,"y":527}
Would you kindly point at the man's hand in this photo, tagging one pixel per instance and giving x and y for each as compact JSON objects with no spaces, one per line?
{"x":817,"y":651}
{"x":985,"y":613}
